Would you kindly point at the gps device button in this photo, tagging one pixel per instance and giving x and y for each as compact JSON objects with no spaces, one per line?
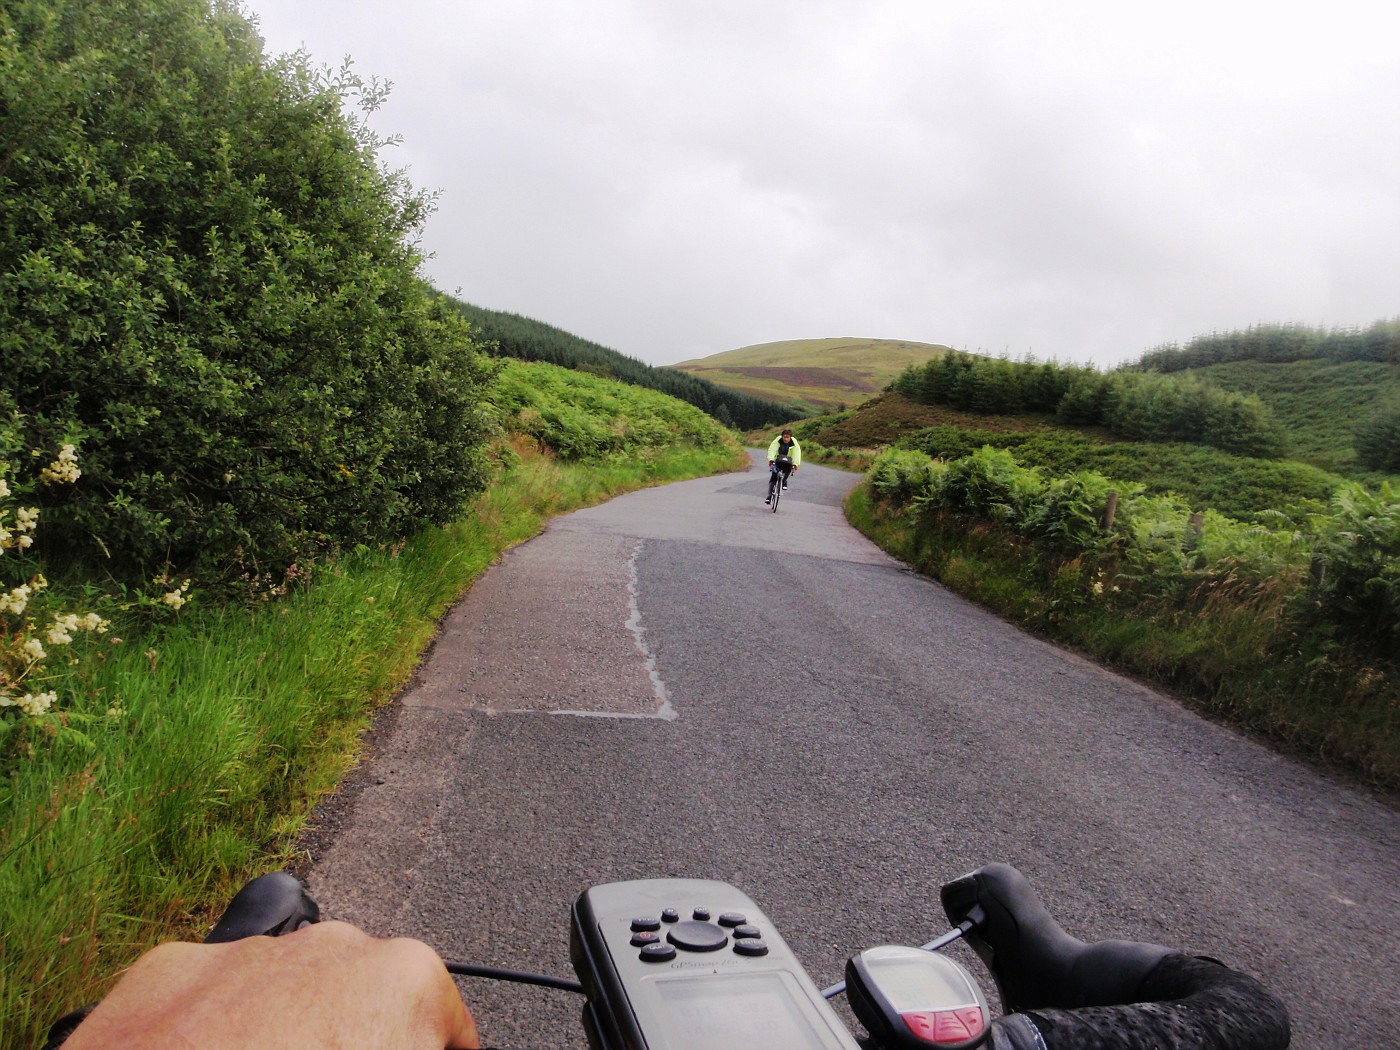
{"x":747,"y":931}
{"x":701,"y":914}
{"x":732,"y":918}
{"x":750,"y":946}
{"x":694,"y":936}
{"x":642,"y":938}
{"x":645,"y":923}
{"x":657,"y":951}
{"x":670,"y":915}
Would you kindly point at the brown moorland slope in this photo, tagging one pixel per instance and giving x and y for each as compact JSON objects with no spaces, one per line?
{"x":822,"y":373}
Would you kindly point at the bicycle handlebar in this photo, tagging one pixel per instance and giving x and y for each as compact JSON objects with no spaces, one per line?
{"x":1127,"y":995}
{"x":1059,"y":992}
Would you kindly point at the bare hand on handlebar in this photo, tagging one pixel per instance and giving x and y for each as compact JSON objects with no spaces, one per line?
{"x":325,"y":985}
{"x":329,"y":985}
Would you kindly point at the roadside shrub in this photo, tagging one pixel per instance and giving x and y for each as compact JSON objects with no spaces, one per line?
{"x":210,"y":286}
{"x":1069,"y":511}
{"x":989,"y":483}
{"x":1359,"y":545}
{"x":901,"y":476}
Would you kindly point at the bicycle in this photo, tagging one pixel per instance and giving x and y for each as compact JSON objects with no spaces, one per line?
{"x":685,"y":964}
{"x":778,"y":474}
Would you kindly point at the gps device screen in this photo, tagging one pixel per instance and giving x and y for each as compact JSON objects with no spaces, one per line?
{"x":740,"y":1012}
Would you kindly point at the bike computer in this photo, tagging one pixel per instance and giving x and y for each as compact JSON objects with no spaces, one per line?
{"x":915,"y":1000}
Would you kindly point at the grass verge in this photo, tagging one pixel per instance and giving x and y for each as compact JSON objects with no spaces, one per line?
{"x":201,"y":746}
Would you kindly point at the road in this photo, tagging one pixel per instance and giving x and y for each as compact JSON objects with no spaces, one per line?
{"x":680,"y":683}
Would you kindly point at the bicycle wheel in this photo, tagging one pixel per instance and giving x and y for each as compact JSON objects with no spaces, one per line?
{"x":777,"y":491}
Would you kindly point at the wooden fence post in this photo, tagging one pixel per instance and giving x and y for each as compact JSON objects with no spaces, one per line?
{"x":1111,"y":511}
{"x":1195,"y":523}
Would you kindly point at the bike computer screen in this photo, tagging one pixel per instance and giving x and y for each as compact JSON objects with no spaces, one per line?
{"x":914,"y":999}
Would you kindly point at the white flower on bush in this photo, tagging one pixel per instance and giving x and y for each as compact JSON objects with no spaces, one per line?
{"x":23,"y":653}
{"x":176,"y":598}
{"x":26,"y":521}
{"x":17,"y":600}
{"x":64,"y":469}
{"x":35,"y":704}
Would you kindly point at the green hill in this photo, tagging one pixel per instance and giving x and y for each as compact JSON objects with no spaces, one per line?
{"x":526,"y":339}
{"x":1318,"y":403}
{"x":821,"y":373}
{"x":1320,"y":385}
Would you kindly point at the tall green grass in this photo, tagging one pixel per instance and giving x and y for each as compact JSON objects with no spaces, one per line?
{"x":225,"y":726}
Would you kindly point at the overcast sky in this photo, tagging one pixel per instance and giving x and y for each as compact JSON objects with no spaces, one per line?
{"x":1076,"y":179}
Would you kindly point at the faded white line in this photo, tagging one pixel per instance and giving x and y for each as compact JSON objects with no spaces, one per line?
{"x":664,"y":710}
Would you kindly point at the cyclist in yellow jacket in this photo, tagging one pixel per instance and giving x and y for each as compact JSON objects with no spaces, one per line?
{"x":784,"y":457}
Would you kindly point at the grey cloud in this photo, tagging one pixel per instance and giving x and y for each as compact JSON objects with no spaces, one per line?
{"x":1082,"y":180}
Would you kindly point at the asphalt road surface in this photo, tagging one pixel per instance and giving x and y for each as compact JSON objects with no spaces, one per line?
{"x":681,"y":683}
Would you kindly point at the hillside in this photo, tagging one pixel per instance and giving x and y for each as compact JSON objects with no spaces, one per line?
{"x":526,"y":339}
{"x":822,"y":373}
{"x":1318,"y":402}
{"x":1335,"y":393}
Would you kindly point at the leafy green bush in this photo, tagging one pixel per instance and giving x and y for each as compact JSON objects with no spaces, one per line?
{"x":1165,"y":551}
{"x":1377,"y":439}
{"x":989,"y":483}
{"x":1069,"y":512}
{"x":210,"y":290}
{"x":1359,"y":545}
{"x":903,"y":476}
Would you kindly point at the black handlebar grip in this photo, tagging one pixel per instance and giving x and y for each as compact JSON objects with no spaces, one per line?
{"x":269,"y":906}
{"x":1035,"y":962}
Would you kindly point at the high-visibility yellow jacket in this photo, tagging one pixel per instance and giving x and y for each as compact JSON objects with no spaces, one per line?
{"x":794,"y":451}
